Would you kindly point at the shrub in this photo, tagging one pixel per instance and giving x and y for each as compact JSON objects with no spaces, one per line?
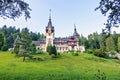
{"x":90,"y":51}
{"x":30,"y":57}
{"x":39,"y":59}
{"x":53,"y":56}
{"x":39,"y":51}
{"x":58,"y":54}
{"x":4,"y":48}
{"x":100,"y":53}
{"x":112,"y":52}
{"x":12,"y":52}
{"x":75,"y":53}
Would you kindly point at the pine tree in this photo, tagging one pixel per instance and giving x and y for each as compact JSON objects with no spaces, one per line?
{"x":1,"y":40}
{"x":102,"y":41}
{"x":54,"y":51}
{"x":96,"y":40}
{"x":51,"y":50}
{"x":25,"y":43}
{"x":16,"y":48}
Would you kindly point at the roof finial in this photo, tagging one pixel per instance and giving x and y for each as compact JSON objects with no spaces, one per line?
{"x":75,"y":28}
{"x":50,"y":14}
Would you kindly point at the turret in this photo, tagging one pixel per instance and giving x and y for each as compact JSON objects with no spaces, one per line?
{"x":49,"y":32}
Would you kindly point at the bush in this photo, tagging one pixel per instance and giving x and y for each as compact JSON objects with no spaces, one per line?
{"x":112,"y":52}
{"x":75,"y":53}
{"x":100,"y":53}
{"x":53,"y":56}
{"x":30,"y":57}
{"x":90,"y":51}
{"x":4,"y":48}
{"x":58,"y":54}
{"x":39,"y":51}
{"x":36,"y":58}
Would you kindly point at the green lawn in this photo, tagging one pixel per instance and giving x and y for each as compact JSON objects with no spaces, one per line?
{"x":66,"y":67}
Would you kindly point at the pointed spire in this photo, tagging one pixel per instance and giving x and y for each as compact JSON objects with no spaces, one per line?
{"x":50,"y":15}
{"x":75,"y":31}
{"x":50,"y":22}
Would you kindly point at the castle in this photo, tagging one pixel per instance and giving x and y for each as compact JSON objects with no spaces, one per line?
{"x":62,"y":44}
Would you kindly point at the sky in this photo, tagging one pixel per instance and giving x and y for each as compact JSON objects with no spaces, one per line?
{"x":64,"y":14}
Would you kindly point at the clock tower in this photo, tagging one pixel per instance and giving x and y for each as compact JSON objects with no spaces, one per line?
{"x":49,"y":33}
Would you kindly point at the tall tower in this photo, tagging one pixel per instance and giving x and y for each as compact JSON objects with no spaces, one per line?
{"x":75,"y":34}
{"x":49,"y":32}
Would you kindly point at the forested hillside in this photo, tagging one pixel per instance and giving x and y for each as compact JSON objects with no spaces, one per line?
{"x":9,"y":34}
{"x":104,"y":41}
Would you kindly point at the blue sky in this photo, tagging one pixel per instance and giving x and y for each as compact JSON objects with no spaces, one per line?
{"x":65,"y":13}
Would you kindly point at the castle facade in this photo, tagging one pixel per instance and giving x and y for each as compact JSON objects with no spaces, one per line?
{"x":62,"y":44}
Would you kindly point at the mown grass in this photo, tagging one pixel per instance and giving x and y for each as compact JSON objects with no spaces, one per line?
{"x":66,"y":67}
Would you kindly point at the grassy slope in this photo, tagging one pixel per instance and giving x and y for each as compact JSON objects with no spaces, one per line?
{"x":67,"y":67}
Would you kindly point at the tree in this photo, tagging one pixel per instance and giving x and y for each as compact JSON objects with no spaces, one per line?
{"x":10,"y":41}
{"x":48,"y":48}
{"x":4,"y":47}
{"x":83,"y":41}
{"x":32,"y":48}
{"x":51,"y":50}
{"x":34,"y":36}
{"x":1,"y":40}
{"x":10,"y":34}
{"x":91,"y":41}
{"x":115,"y":38}
{"x":96,"y":40}
{"x":54,"y":51}
{"x":118,"y":44}
{"x":25,"y":42}
{"x":113,"y":8}
{"x":16,"y":48}
{"x":110,"y":45}
{"x":14,"y":9}
{"x":102,"y":41}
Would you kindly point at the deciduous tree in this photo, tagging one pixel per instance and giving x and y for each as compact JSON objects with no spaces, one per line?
{"x":118,"y":44}
{"x":110,"y":45}
{"x":14,"y":9}
{"x":111,"y":8}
